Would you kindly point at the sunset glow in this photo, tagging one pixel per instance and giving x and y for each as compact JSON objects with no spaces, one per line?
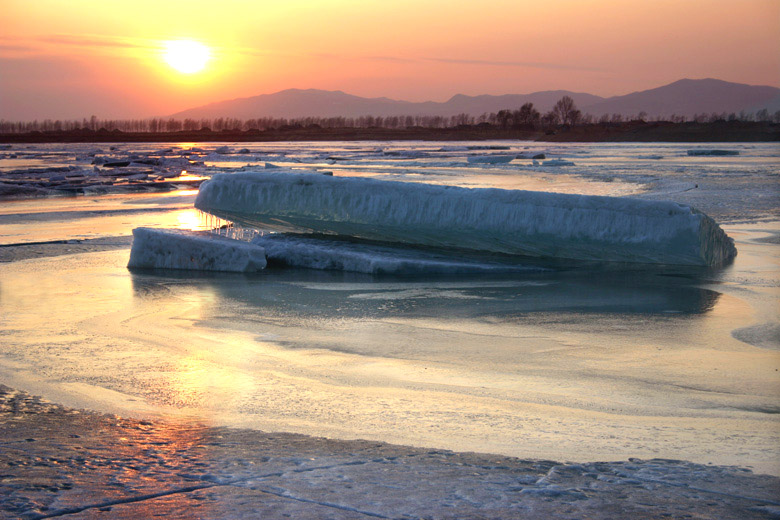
{"x":165,"y":57}
{"x":186,"y":56}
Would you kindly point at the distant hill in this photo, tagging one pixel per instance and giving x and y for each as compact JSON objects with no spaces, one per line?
{"x":684,"y":97}
{"x":689,"y":97}
{"x":294,"y":103}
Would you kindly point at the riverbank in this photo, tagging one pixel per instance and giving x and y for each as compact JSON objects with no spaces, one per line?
{"x":632,"y":131}
{"x":60,"y":462}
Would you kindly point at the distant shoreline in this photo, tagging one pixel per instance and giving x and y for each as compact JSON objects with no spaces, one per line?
{"x":633,"y":131}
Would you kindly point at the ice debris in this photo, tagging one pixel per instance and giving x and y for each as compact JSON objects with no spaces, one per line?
{"x":501,"y":221}
{"x":179,"y":249}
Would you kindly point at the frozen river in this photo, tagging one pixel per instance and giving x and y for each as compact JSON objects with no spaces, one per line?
{"x":581,"y":363}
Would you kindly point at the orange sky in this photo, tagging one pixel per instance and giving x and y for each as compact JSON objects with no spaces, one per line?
{"x":72,"y":59}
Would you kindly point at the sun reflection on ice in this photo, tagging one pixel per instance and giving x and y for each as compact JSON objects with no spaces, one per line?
{"x":189,"y":219}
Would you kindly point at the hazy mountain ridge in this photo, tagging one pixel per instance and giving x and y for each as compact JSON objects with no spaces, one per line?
{"x":684,"y":97}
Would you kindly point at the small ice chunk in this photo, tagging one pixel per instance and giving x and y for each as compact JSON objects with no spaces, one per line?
{"x":557,"y":162}
{"x":116,"y":164}
{"x":179,"y":249}
{"x":223,"y":150}
{"x":531,"y":155}
{"x":490,"y":159}
{"x":701,"y":151}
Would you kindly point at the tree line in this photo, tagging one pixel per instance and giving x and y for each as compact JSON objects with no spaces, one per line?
{"x":527,"y":117}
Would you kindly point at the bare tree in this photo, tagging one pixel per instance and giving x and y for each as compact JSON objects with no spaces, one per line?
{"x":551,"y":118}
{"x":566,"y":111}
{"x":527,"y":115}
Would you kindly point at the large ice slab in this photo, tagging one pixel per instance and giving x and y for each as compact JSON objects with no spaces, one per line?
{"x":503,"y":221}
{"x":178,"y":249}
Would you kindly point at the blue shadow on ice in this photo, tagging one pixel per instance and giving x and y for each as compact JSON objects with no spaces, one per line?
{"x":584,"y":290}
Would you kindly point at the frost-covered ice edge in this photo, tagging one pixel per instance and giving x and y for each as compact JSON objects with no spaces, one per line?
{"x":179,"y":249}
{"x":537,"y":224}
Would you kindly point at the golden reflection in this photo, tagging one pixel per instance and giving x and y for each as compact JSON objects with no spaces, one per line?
{"x":144,"y":454}
{"x":189,"y":219}
{"x":184,"y":176}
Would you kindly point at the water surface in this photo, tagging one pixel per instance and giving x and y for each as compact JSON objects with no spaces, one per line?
{"x":581,"y":362}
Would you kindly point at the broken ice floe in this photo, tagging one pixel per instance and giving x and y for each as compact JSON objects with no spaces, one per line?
{"x":557,"y":162}
{"x":178,"y":249}
{"x":95,"y":172}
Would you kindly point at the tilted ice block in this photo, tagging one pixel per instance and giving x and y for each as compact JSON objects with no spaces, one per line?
{"x":502,"y":221}
{"x":178,"y":249}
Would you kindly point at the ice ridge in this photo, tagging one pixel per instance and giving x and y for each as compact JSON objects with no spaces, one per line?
{"x":540,"y":224}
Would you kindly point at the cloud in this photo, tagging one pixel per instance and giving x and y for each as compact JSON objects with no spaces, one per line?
{"x":524,"y":64}
{"x":458,"y":61}
{"x":19,"y":48}
{"x":97,"y":41}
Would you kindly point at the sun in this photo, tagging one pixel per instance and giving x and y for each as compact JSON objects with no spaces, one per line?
{"x":186,"y":56}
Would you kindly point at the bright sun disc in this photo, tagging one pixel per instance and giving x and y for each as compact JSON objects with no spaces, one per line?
{"x":186,"y":56}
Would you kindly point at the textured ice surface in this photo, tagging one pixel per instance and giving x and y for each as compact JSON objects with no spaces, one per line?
{"x":501,"y":221}
{"x":372,"y":259}
{"x":60,"y":462}
{"x":177,"y":249}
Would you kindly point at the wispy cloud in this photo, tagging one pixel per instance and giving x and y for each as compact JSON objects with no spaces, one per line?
{"x":16,"y":48}
{"x":98,"y":41}
{"x":524,"y":64}
{"x":460,"y":61}
{"x":95,"y":41}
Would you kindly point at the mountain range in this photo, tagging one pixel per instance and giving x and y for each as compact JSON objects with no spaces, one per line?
{"x":684,"y":97}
